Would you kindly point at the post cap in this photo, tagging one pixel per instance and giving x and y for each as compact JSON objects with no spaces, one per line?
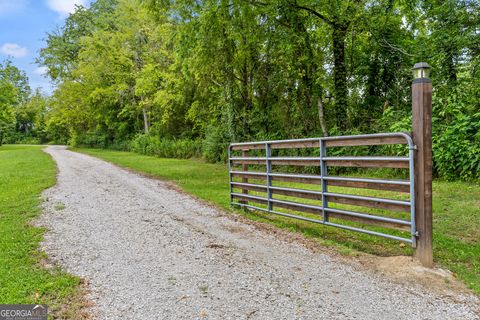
{"x":421,"y":70}
{"x":419,"y":65}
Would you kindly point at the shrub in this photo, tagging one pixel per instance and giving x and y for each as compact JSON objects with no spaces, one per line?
{"x":165,"y":148}
{"x":455,"y":137}
{"x":13,"y":137}
{"x":456,"y":148}
{"x":215,"y":144}
{"x":89,"y":139}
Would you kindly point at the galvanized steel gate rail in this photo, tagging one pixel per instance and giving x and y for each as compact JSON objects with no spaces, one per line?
{"x":325,"y":180}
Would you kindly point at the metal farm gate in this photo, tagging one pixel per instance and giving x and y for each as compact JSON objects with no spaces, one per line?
{"x":318,"y":202}
{"x":259,"y":172}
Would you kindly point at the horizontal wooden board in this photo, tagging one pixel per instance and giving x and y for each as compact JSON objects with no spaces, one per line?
{"x":313,"y":180}
{"x":369,"y":203}
{"x":249,"y":176}
{"x":291,"y":193}
{"x":280,"y":145}
{"x":290,"y":205}
{"x":300,"y":163}
{"x":360,"y":163}
{"x":404,"y":164}
{"x":366,"y":141}
{"x":258,"y":188}
{"x":370,"y":185}
{"x":248,"y":199}
{"x":390,"y":225}
{"x":249,"y":147}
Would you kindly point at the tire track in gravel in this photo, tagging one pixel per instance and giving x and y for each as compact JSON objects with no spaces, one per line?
{"x":150,"y":252}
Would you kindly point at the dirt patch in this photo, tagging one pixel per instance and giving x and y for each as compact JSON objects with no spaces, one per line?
{"x":405,"y":269}
{"x":235,"y":229}
{"x":216,"y":246}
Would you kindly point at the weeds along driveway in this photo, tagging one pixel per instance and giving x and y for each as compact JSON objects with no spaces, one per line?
{"x":148,"y":251}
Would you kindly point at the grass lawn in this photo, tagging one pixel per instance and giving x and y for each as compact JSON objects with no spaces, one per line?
{"x":25,"y":171}
{"x":456,"y":212}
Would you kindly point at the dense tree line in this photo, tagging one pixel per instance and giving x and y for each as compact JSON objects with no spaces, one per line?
{"x":22,"y":112}
{"x":177,"y":78}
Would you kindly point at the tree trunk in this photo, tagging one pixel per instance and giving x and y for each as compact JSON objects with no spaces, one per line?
{"x":321,"y":117}
{"x":145,"y":120}
{"x":340,"y":74}
{"x":245,"y":96}
{"x":450,"y":66}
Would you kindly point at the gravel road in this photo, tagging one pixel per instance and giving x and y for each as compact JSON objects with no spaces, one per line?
{"x":150,"y":252}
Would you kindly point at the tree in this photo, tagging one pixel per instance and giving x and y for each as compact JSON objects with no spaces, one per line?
{"x":339,"y":16}
{"x":8,"y":95}
{"x":234,"y":70}
{"x":30,"y":115}
{"x":14,"y":90}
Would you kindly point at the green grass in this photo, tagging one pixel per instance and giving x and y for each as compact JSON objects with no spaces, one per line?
{"x":25,"y":171}
{"x":456,"y":212}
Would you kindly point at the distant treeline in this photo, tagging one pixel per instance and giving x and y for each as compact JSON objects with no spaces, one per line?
{"x":184,"y":78}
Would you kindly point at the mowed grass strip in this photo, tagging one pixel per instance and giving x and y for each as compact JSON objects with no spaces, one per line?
{"x":456,"y":207}
{"x":25,"y":171}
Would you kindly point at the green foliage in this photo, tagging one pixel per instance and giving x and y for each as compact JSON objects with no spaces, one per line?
{"x":30,"y":117}
{"x":89,"y":139}
{"x":215,"y":145}
{"x":7,"y":117}
{"x":22,"y":113}
{"x":17,"y":78}
{"x":165,"y":148}
{"x":9,"y":98}
{"x":228,"y":71}
{"x":456,"y":140}
{"x":13,"y":137}
{"x":56,"y":128}
{"x":455,"y":135}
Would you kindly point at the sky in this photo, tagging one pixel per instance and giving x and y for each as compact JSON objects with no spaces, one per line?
{"x":23,"y":28}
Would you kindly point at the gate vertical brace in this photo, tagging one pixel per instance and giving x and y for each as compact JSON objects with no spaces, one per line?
{"x":269,"y":177}
{"x":230,"y":178}
{"x":244,"y":180}
{"x":422,"y":137}
{"x":411,"y":172}
{"x":323,"y":174}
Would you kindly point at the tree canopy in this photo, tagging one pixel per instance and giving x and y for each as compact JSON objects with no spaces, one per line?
{"x":132,"y":72}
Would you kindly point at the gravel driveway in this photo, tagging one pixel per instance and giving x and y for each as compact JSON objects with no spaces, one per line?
{"x":150,"y":252}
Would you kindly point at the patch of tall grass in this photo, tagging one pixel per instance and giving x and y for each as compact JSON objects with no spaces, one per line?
{"x":165,"y":148}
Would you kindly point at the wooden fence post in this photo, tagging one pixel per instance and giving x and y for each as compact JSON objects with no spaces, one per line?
{"x":422,"y":137}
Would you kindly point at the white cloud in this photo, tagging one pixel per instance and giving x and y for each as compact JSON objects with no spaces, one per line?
{"x":11,"y":6}
{"x":14,"y":50}
{"x":41,"y":71}
{"x":64,"y":7}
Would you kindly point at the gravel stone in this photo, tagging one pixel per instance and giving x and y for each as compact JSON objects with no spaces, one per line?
{"x":150,"y":252}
